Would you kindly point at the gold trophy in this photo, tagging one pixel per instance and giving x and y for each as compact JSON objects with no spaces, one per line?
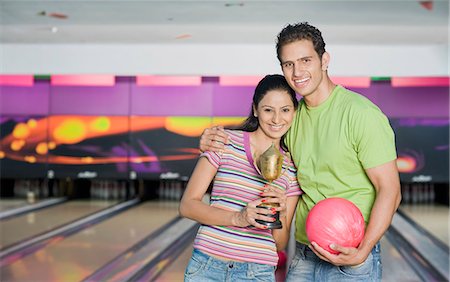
{"x":270,"y":165}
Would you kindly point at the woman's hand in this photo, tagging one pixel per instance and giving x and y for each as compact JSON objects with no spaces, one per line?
{"x":248,"y":215}
{"x":286,"y":208}
{"x":273,"y":195}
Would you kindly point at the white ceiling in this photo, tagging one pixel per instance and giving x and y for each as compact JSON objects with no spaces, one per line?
{"x":364,"y":37}
{"x":221,"y":22}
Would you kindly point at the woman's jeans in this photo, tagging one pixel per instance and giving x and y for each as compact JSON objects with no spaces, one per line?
{"x":203,"y":267}
{"x":306,"y":266}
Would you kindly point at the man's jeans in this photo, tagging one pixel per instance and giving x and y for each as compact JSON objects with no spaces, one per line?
{"x":306,"y":266}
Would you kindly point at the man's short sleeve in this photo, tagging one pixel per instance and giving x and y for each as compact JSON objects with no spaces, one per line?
{"x":374,"y":138}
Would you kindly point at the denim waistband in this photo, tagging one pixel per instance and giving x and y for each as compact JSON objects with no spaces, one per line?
{"x":217,"y":263}
{"x":304,"y":249}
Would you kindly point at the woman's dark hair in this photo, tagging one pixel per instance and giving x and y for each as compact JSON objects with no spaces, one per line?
{"x":268,"y":83}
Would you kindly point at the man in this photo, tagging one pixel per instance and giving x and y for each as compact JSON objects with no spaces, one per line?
{"x":343,"y":146}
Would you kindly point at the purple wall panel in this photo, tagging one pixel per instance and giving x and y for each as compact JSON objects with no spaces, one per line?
{"x":17,"y":100}
{"x":416,"y":102}
{"x":208,"y":99}
{"x":90,"y":100}
{"x":370,"y":93}
{"x":171,"y":100}
{"x":398,"y":102}
{"x":232,"y":100}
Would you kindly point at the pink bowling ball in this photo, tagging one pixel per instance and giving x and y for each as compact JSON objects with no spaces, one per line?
{"x":335,"y":220}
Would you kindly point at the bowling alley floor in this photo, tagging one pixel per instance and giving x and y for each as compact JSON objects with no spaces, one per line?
{"x":35,"y":222}
{"x":12,"y":204}
{"x":77,"y":256}
{"x":73,"y":258}
{"x":434,"y":218}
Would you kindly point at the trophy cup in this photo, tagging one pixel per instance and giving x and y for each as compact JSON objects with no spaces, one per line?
{"x":269,"y":165}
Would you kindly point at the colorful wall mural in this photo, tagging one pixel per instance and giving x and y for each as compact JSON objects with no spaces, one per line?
{"x":124,"y":128}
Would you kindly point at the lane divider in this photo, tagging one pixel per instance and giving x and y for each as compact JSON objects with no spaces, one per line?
{"x":148,"y":258}
{"x":30,"y":207}
{"x":419,"y":249}
{"x":35,"y":243}
{"x":157,"y":266}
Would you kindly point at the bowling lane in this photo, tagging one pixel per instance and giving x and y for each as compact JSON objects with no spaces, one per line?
{"x":78,"y":256}
{"x":7,"y":204}
{"x":18,"y":228}
{"x":433,"y":218}
{"x":395,"y":268}
{"x":175,"y":271}
{"x":20,"y":203}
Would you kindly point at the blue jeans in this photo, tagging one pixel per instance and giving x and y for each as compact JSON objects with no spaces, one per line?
{"x":203,"y":267}
{"x":306,"y":266}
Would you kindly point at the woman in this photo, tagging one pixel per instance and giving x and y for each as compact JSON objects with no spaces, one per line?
{"x":230,"y":244}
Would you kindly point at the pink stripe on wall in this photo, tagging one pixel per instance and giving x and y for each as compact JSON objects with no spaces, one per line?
{"x":419,"y":81}
{"x":239,"y":80}
{"x":83,"y":80}
{"x":358,"y":82}
{"x":156,"y":80}
{"x":17,"y":80}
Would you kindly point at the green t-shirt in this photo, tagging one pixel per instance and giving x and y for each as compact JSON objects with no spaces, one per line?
{"x":332,"y":145}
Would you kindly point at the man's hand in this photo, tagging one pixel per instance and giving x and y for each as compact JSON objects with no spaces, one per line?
{"x":347,"y":256}
{"x":213,"y":139}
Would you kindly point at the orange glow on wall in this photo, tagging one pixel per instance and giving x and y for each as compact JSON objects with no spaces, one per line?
{"x":32,"y":123}
{"x":17,"y":80}
{"x":87,"y":160}
{"x":136,"y":160}
{"x":227,"y":121}
{"x":83,"y":80}
{"x":420,"y":81}
{"x":30,"y":159}
{"x":100,"y":124}
{"x":51,"y":145}
{"x":21,"y":131}
{"x":49,"y":132}
{"x":156,"y":80}
{"x":188,"y":126}
{"x":16,"y":145}
{"x":42,"y":148}
{"x":406,"y":164}
{"x":70,"y":131}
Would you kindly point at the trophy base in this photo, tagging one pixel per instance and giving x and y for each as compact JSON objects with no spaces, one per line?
{"x":276,"y":224}
{"x":271,"y":225}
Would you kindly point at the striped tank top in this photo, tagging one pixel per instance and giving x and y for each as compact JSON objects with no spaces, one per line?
{"x":236,"y":183}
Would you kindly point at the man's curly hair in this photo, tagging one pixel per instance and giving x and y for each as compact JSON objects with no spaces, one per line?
{"x":299,"y":31}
